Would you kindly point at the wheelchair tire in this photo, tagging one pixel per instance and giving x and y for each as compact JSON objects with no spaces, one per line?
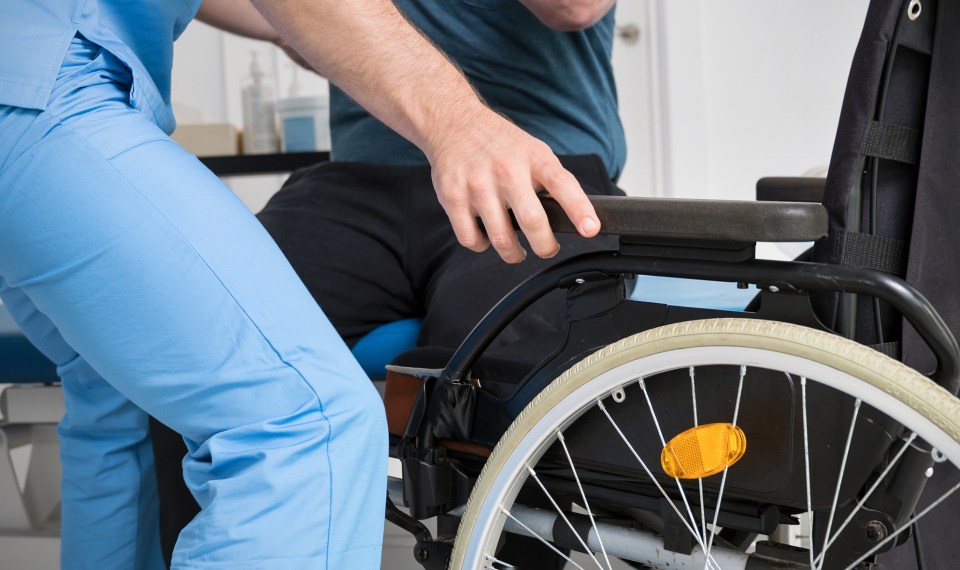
{"x":901,"y":393}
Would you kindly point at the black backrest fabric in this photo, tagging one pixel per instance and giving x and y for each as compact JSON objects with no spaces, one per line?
{"x":895,"y":169}
{"x":934,"y":260}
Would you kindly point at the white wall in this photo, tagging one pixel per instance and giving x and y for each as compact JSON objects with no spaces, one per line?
{"x":752,"y":88}
{"x":637,"y":67}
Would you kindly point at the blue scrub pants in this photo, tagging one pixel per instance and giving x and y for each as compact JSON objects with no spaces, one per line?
{"x":155,"y":291}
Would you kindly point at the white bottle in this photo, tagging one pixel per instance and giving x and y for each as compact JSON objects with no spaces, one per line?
{"x":259,"y":114}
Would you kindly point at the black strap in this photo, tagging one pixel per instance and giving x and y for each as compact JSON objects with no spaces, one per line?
{"x":891,"y":349}
{"x":893,"y":142}
{"x":874,"y":252}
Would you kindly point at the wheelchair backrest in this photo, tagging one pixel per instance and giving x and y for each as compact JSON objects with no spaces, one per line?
{"x":891,"y":190}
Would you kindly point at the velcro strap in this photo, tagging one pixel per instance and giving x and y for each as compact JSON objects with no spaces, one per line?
{"x":891,"y":349}
{"x":874,"y":252}
{"x":893,"y":142}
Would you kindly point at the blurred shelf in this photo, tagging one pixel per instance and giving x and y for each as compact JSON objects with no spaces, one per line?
{"x":250,"y":164}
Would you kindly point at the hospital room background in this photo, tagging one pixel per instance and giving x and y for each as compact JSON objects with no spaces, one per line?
{"x":714,"y":94}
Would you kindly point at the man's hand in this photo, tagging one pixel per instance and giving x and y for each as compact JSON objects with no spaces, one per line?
{"x":491,"y":166}
{"x":488,"y":166}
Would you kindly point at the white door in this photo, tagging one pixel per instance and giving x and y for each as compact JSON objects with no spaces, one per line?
{"x":634,"y":65}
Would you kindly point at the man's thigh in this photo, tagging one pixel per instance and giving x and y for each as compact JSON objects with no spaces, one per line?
{"x":343,"y":228}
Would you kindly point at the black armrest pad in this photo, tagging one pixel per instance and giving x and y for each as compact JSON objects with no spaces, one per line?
{"x":790,"y":189}
{"x":724,"y":220}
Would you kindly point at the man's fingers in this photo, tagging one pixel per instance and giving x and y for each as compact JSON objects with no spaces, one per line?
{"x":533,"y":221}
{"x":500,"y":230}
{"x":464,"y":222}
{"x":497,"y":229}
{"x":496,"y":177}
{"x":565,"y":189}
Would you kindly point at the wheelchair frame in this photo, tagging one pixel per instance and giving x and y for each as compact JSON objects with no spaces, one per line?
{"x":434,"y":484}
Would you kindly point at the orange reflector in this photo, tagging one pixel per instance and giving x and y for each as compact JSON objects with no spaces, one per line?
{"x":703,"y":451}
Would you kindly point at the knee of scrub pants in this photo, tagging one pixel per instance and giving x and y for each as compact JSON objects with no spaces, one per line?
{"x":333,"y":459}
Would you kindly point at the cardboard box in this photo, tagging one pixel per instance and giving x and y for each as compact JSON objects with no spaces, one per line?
{"x":209,"y":139}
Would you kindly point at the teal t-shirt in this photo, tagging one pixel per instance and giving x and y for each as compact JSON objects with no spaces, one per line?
{"x":558,"y":86}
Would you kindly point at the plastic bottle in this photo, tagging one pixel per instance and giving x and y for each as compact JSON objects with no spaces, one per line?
{"x":259,"y":113}
{"x":304,"y":120}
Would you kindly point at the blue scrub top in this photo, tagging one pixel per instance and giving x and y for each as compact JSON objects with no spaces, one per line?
{"x":35,"y":34}
{"x":558,"y":86}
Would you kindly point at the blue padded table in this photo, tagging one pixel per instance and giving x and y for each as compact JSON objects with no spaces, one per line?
{"x":20,"y":362}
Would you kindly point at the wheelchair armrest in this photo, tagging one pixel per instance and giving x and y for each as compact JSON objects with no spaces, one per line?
{"x":790,"y":189}
{"x":707,"y":220}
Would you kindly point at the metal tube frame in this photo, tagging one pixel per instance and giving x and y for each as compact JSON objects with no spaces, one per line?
{"x":787,"y":275}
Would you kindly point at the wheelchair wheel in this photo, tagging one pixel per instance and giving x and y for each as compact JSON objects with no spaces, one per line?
{"x":827,"y":378}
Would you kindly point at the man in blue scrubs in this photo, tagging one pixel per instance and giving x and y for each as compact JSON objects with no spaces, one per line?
{"x":154,"y":290}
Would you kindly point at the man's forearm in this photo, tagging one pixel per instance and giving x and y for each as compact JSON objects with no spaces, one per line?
{"x":237,"y":17}
{"x":569,"y":15}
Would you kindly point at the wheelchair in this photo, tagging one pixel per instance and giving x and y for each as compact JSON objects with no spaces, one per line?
{"x":787,"y":435}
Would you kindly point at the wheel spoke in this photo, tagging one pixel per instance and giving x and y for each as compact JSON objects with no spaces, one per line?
{"x":843,"y":467}
{"x":586,"y":503}
{"x":806,"y":463}
{"x":723,"y":478}
{"x":696,"y":422}
{"x":504,"y":565}
{"x":560,"y":512}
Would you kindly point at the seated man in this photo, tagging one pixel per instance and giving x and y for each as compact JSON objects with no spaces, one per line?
{"x":372,"y":243}
{"x":365,"y":232}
